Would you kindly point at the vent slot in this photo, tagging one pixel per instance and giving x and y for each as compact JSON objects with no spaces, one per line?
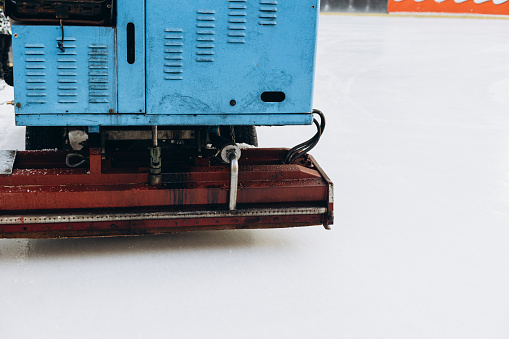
{"x":98,"y":75}
{"x":273,"y":96}
{"x":67,"y":72}
{"x":131,"y":51}
{"x":268,"y":13}
{"x":205,"y":35}
{"x":35,"y":71}
{"x":174,"y":54}
{"x":237,"y":21}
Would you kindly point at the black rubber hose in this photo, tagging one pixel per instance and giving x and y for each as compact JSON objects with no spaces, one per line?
{"x":303,"y":148}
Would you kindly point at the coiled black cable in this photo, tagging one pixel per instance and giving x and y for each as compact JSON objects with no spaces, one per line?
{"x":303,"y":148}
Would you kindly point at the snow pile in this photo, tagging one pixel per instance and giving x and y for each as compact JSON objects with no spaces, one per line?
{"x":6,"y":161}
{"x":11,"y":136}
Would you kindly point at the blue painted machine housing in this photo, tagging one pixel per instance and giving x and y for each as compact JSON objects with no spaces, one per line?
{"x":204,"y":62}
{"x":80,"y":79}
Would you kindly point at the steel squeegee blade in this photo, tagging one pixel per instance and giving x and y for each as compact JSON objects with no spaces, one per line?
{"x":108,"y":217}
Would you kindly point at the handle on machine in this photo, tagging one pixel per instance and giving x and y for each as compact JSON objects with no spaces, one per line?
{"x":234,"y":180}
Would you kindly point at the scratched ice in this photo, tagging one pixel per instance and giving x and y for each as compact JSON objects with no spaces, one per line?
{"x":417,"y":144}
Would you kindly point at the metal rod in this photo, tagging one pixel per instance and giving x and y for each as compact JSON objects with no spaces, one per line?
{"x":154,"y":176}
{"x":234,"y":180}
{"x":154,"y":136}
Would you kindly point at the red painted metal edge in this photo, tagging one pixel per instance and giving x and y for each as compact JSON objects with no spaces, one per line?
{"x":41,"y":186}
{"x":138,"y":227}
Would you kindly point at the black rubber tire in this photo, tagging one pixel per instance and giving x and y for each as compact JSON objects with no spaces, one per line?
{"x":246,"y":135}
{"x":39,"y":138}
{"x":243,"y":134}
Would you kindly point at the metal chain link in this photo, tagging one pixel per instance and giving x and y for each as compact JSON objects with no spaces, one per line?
{"x":232,"y":134}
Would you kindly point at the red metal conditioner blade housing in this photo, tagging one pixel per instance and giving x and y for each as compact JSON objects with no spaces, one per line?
{"x":42,"y":198}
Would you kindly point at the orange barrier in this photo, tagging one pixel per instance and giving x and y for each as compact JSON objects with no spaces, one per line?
{"x":498,"y":7}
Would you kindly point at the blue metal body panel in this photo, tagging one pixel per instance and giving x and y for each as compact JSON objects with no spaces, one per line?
{"x":205,"y":53}
{"x":161,"y":119}
{"x":131,"y":77}
{"x":81,"y":79}
{"x":204,"y":62}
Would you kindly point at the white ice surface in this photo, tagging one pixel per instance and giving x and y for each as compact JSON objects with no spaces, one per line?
{"x":11,"y":137}
{"x":417,"y":144}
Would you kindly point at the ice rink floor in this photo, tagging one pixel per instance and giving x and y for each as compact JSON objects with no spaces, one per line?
{"x":417,"y":144}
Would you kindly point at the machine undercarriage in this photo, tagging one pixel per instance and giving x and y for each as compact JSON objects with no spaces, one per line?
{"x":119,"y":145}
{"x":122,"y":189}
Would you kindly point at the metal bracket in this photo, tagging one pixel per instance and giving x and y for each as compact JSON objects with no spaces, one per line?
{"x":155,"y":177}
{"x":329,"y":219}
{"x":234,"y":179}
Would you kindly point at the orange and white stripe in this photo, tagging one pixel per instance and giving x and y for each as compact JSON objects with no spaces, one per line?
{"x":497,"y":7}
